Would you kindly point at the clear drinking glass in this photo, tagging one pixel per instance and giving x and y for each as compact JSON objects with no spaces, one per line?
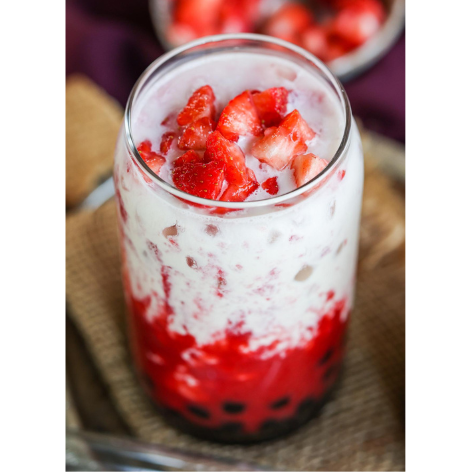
{"x":238,"y":311}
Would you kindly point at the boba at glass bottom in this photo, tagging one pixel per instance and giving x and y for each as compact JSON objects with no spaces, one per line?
{"x":232,"y":432}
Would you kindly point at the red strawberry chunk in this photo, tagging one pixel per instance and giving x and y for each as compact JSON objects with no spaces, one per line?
{"x":271,"y":105}
{"x":196,"y":134}
{"x":166,"y":141}
{"x":358,"y":20}
{"x":298,"y":126}
{"x":234,"y":18}
{"x":239,"y":193}
{"x":188,"y":157}
{"x":289,"y":21}
{"x":242,"y":181}
{"x":337,"y":47}
{"x":239,"y":118}
{"x":307,"y":167}
{"x":200,"y":15}
{"x":221,"y":149}
{"x":203,"y":180}
{"x":153,"y":160}
{"x":271,"y":186}
{"x":315,"y":40}
{"x":200,"y":105}
{"x":279,"y":145}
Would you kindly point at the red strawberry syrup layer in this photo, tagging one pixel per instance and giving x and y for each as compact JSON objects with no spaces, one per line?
{"x":221,"y":383}
{"x":237,"y":318}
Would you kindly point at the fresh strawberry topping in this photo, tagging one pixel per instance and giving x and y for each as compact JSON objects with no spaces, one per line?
{"x":288,"y":21}
{"x":271,"y":105}
{"x":200,"y":105}
{"x":221,"y":149}
{"x":153,"y":160}
{"x":279,"y":145}
{"x":315,"y":40}
{"x":271,"y":186}
{"x":242,"y":181}
{"x":357,"y":20}
{"x":307,"y":167}
{"x":204,"y":180}
{"x":239,"y":118}
{"x":298,"y":126}
{"x":166,"y":141}
{"x":233,"y":17}
{"x":239,"y":193}
{"x":196,"y":134}
{"x":200,"y":16}
{"x":221,"y":173}
{"x":188,"y":157}
{"x":342,"y":26}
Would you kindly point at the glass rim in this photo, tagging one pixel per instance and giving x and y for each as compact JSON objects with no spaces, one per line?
{"x":340,"y":152}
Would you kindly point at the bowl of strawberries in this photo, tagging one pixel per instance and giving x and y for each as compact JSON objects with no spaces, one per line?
{"x":348,"y":35}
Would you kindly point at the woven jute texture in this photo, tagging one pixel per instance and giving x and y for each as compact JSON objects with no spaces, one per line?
{"x":92,"y":123}
{"x":362,"y":428}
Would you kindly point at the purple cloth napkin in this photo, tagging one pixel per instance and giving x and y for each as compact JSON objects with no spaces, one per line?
{"x":113,"y":41}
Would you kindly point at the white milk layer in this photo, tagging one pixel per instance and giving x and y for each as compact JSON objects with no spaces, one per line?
{"x":230,"y":75}
{"x":267,"y":271}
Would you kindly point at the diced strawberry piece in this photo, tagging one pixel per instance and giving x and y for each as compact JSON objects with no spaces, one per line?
{"x":298,"y":126}
{"x":221,"y":149}
{"x":233,"y":18}
{"x":239,"y":118}
{"x":279,"y":145}
{"x":187,"y":158}
{"x":242,"y":181}
{"x":200,"y":105}
{"x":271,"y":105}
{"x":374,"y":6}
{"x":203,"y":180}
{"x":166,"y":141}
{"x":357,"y":20}
{"x":271,"y":186}
{"x":288,"y":21}
{"x":337,"y":47}
{"x":239,"y":193}
{"x":200,"y":15}
{"x":315,"y":40}
{"x":153,"y":160}
{"x":251,"y":9}
{"x":196,"y":134}
{"x":307,"y":167}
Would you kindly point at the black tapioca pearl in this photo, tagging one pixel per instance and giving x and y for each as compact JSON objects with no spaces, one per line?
{"x":233,"y":408}
{"x":280,"y":403}
{"x":199,"y":411}
{"x":269,"y":425}
{"x":306,"y":407}
{"x":275,"y":427}
{"x":172,"y":414}
{"x":327,"y":356}
{"x":330,"y":372}
{"x":231,"y":428}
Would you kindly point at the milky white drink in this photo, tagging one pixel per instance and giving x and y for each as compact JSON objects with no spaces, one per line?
{"x":237,"y":310}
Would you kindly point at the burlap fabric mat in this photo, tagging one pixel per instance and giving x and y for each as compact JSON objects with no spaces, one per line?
{"x":93,"y":120}
{"x":362,"y":428}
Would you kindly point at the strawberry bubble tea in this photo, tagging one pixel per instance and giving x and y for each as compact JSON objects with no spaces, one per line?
{"x":238,"y":176}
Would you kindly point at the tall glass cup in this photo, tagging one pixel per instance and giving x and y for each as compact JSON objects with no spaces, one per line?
{"x":238,"y":311}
